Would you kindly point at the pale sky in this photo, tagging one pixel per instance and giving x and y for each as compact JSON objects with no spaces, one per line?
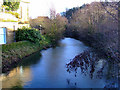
{"x":42,"y":7}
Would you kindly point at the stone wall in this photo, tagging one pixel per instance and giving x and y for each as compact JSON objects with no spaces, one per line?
{"x":7,"y":16}
{"x":13,"y":25}
{"x":9,"y":25}
{"x":10,"y":36}
{"x":1,"y":2}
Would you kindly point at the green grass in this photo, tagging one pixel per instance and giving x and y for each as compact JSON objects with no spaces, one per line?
{"x":13,"y":53}
{"x":18,"y":50}
{"x":21,"y":49}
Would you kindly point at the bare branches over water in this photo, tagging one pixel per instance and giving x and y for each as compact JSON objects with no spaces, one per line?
{"x":91,"y":64}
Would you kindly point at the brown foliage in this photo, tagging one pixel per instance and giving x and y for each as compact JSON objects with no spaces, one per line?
{"x":53,"y":27}
{"x":94,"y":21}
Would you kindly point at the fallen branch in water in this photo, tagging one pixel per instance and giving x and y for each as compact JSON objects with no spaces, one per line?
{"x":87,"y":62}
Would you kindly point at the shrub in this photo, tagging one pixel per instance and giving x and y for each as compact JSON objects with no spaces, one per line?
{"x":32,"y":35}
{"x":13,"y":5}
{"x":45,"y":41}
{"x":25,"y":22}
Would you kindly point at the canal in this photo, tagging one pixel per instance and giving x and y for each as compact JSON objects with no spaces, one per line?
{"x":49,"y":70}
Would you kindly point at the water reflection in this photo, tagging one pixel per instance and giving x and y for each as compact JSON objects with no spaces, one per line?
{"x":71,"y":84}
{"x":31,"y":60}
{"x":94,"y":66}
{"x":21,"y":74}
{"x":49,"y":71}
{"x":17,"y":77}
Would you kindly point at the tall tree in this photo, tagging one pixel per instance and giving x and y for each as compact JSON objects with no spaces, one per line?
{"x":13,"y":5}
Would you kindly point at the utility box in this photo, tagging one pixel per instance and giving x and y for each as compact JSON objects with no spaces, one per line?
{"x":2,"y":35}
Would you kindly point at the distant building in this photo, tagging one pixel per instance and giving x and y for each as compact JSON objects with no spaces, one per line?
{"x":11,"y":22}
{"x":1,"y":2}
{"x":24,"y":10}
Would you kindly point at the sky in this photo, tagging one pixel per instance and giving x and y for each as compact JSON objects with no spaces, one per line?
{"x":42,"y":7}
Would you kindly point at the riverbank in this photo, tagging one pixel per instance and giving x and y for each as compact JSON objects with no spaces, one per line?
{"x":98,"y":44}
{"x":13,"y":53}
{"x":36,"y":72}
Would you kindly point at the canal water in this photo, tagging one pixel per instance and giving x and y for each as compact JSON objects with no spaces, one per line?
{"x":49,"y":69}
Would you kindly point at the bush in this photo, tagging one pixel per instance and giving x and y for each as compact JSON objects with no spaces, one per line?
{"x":13,"y":5}
{"x":32,"y":35}
{"x":25,"y":22}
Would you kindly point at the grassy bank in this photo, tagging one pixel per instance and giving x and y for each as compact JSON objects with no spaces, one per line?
{"x":14,"y":52}
{"x":28,"y":41}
